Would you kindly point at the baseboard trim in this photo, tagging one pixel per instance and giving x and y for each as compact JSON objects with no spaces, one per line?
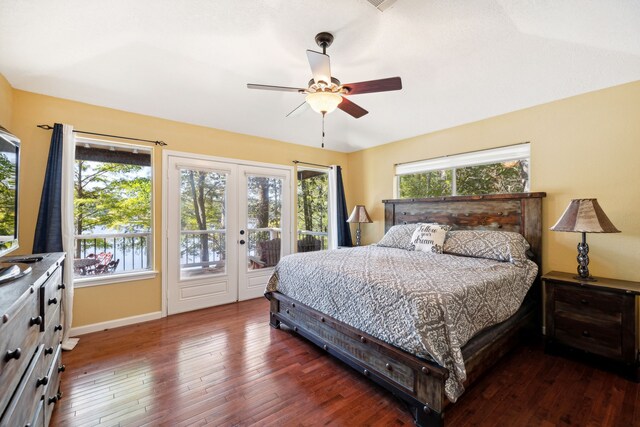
{"x":116,"y":323}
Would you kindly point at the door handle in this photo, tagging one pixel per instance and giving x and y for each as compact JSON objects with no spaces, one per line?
{"x":242,"y":242}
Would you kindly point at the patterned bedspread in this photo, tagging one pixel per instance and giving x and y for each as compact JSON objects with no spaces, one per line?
{"x":426,"y":304}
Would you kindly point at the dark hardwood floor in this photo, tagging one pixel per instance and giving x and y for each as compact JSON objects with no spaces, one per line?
{"x":226,"y":366}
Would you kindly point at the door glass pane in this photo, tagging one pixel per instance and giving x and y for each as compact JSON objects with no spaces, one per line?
{"x":313,"y":210}
{"x":203,"y":196}
{"x":264,"y":215}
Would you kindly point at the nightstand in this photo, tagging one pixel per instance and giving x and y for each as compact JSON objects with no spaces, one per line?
{"x":598,"y":317}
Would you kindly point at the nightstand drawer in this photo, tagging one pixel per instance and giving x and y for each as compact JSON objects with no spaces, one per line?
{"x":588,"y":300}
{"x":595,"y":336}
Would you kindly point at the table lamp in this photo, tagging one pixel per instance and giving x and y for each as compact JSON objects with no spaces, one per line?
{"x":359,"y":215}
{"x":584,"y":216}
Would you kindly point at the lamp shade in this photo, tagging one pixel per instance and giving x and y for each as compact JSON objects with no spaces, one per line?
{"x":323,"y":102}
{"x":359,"y":214}
{"x":585,"y":216}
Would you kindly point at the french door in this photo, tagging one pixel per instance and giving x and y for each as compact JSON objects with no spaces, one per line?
{"x":228,"y":224}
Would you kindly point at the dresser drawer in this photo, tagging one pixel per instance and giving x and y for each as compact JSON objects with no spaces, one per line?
{"x":28,"y":394}
{"x":593,"y":335}
{"x":588,"y":301}
{"x":38,"y":417}
{"x":53,"y":394}
{"x":20,"y":336}
{"x":51,"y":297}
{"x":52,"y":338}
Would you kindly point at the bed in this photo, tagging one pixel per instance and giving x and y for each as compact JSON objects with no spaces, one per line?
{"x":422,"y":381}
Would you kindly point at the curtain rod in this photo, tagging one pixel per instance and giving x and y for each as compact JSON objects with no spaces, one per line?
{"x":161,"y":143}
{"x":312,"y":164}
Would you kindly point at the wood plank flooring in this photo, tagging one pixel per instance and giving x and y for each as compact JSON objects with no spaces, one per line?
{"x":226,"y":366}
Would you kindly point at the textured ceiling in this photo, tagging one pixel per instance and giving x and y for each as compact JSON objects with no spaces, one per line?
{"x":190,"y":61}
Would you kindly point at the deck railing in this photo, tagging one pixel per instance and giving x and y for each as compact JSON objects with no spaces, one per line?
{"x":129,"y":251}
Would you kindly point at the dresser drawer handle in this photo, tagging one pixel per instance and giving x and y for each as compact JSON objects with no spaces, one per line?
{"x":61,"y":286}
{"x":53,"y":301}
{"x":48,"y":350}
{"x":42,"y":381}
{"x":586,"y":333}
{"x":35,"y":321}
{"x":57,"y":328}
{"x":584,"y":301}
{"x":52,"y":400}
{"x":15,"y":354}
{"x":61,"y":368}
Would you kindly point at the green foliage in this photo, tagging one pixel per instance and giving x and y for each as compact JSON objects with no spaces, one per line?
{"x":313,"y":203}
{"x":428,"y":184}
{"x":7,"y":196}
{"x":508,"y":177}
{"x":112,"y":197}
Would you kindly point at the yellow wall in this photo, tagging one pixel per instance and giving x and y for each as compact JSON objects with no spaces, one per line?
{"x":584,"y":146}
{"x":6,"y":103}
{"x":108,"y":302}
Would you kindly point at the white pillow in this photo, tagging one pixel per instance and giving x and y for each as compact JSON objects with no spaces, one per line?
{"x":430,"y":237}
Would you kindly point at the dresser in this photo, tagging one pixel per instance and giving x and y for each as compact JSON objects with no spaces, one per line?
{"x":30,"y":337}
{"x":598,"y":317}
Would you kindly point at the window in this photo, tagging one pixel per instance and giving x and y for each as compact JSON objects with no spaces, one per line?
{"x":112,"y":208}
{"x":499,"y":170}
{"x":313,"y":210}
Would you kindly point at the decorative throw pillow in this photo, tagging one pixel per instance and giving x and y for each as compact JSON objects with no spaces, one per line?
{"x":430,"y":237}
{"x":399,"y":236}
{"x":499,"y":245}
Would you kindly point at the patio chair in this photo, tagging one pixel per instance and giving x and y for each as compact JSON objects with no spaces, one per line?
{"x":309,"y":243}
{"x":112,"y":266}
{"x":103,"y":258}
{"x":268,"y":254}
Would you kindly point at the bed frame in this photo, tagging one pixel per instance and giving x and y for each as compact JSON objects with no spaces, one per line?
{"x":420,"y":383}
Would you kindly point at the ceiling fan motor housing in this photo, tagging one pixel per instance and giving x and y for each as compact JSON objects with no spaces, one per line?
{"x":324,"y":40}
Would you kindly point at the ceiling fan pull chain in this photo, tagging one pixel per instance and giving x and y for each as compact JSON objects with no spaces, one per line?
{"x":323,"y":129}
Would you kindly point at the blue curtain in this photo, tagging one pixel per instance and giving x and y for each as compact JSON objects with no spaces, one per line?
{"x":344,"y":230}
{"x":48,"y":236}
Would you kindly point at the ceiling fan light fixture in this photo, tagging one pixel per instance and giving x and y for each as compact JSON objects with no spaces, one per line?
{"x":323,"y":102}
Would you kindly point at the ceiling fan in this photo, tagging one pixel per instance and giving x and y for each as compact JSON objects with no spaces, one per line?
{"x":325,"y":93}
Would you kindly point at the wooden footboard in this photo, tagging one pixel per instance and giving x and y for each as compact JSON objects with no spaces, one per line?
{"x":418,"y":382}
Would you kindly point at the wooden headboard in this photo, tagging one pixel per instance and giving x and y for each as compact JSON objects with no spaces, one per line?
{"x":519,"y":212}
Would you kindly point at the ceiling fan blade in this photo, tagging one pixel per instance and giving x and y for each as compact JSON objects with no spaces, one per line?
{"x":298,"y":110}
{"x":278,"y":88}
{"x":320,"y":66}
{"x":351,"y":108}
{"x":380,"y":85}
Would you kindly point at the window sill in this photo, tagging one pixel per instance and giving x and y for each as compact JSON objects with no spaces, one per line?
{"x":87,"y":282}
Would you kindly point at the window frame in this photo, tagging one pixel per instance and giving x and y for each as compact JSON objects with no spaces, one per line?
{"x":125,"y":276}
{"x":516,"y":152}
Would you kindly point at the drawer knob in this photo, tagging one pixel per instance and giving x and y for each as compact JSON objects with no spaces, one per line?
{"x":48,"y":350}
{"x":584,"y":301}
{"x":325,"y":347}
{"x":57,"y":328}
{"x":15,"y":354}
{"x":61,"y":368}
{"x":61,"y":286}
{"x":42,"y":381}
{"x":363,"y":340}
{"x":366,"y":373}
{"x":425,"y":370}
{"x":53,"y":301}
{"x":35,"y":321}
{"x":322,"y":319}
{"x":295,"y":329}
{"x":585,"y":333}
{"x":287,"y":311}
{"x":388,"y":366}
{"x":52,"y":400}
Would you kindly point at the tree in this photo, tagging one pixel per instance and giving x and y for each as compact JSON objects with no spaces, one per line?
{"x":113,"y":197}
{"x":7,"y":196}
